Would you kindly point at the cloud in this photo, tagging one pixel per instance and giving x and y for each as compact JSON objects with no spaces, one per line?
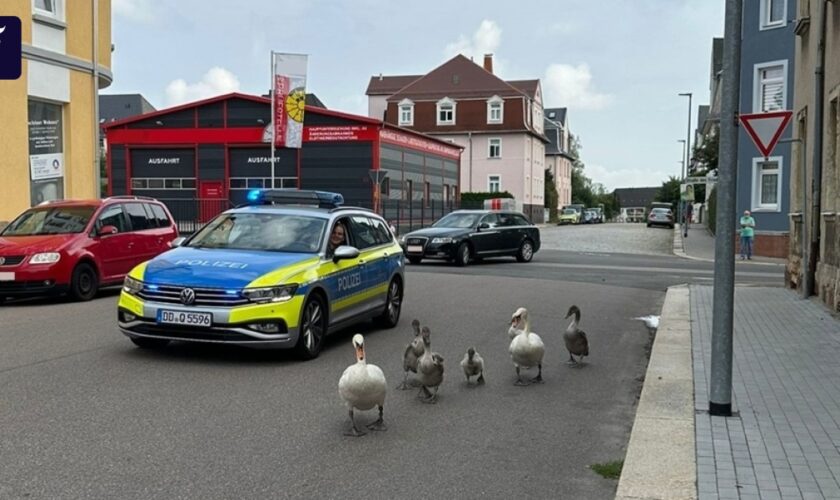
{"x":134,"y":10}
{"x":571,"y":86}
{"x":215,"y":82}
{"x":485,"y":40}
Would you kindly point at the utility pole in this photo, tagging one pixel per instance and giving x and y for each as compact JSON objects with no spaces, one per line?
{"x":720,"y":388}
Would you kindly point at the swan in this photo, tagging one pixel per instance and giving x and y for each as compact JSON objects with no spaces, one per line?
{"x":362,"y":386}
{"x":650,"y":321}
{"x":429,"y":369}
{"x":526,"y":348}
{"x":575,"y":338}
{"x":412,"y":353}
{"x":473,"y":365}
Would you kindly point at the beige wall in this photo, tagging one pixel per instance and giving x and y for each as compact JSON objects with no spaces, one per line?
{"x":78,"y":114}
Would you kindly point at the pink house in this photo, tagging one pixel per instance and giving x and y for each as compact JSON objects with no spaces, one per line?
{"x":500,"y":124}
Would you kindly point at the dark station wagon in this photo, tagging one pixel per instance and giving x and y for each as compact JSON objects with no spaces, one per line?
{"x":466,"y":235}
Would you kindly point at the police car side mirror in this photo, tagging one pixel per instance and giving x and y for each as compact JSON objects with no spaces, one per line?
{"x":483,"y":225}
{"x":345,"y":252}
{"x":177,"y":242}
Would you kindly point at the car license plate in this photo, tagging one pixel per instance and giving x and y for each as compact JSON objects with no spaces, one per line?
{"x":415,"y":248}
{"x":7,"y":276}
{"x":185,"y":318}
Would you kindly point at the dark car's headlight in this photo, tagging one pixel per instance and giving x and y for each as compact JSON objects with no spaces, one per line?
{"x":270,"y":294}
{"x":132,"y":286}
{"x":441,"y":241}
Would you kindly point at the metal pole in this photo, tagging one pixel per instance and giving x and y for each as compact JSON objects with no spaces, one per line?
{"x":720,"y":387}
{"x":97,"y":174}
{"x":273,"y":125}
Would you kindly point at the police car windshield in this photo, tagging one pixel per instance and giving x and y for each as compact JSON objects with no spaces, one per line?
{"x":272,"y":232}
{"x":56,"y":220}
{"x":463,"y":221}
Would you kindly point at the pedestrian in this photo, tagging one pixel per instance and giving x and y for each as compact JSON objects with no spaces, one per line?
{"x":747,"y":235}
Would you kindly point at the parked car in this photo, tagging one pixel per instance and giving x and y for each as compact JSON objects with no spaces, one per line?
{"x":284,"y":271}
{"x":569,"y":216}
{"x":661,"y":217}
{"x":76,"y":247}
{"x":465,"y":235}
{"x":589,"y":217}
{"x":599,"y":214}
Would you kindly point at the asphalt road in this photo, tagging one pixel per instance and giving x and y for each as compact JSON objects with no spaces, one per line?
{"x":85,"y":414}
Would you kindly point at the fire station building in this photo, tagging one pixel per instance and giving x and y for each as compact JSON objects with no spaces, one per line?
{"x":203,"y":157}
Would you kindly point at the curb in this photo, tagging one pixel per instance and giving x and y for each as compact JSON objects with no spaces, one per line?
{"x":661,"y":461}
{"x":679,"y":251}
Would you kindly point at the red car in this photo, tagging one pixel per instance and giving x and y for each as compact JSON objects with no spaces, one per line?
{"x":76,"y":247}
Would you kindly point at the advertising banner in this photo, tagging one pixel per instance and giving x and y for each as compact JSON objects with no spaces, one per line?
{"x":289,"y":74}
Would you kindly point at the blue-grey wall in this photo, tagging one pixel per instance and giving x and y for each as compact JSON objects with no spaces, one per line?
{"x":761,"y":46}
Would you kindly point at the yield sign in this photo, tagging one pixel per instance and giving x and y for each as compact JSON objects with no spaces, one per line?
{"x":766,"y":128}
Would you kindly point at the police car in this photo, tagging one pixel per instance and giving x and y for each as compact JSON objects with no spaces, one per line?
{"x":268,"y":275}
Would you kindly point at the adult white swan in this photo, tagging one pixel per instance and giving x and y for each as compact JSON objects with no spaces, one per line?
{"x":362,"y":386}
{"x":526,"y":348}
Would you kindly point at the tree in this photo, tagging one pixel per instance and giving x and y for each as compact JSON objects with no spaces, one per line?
{"x":669,"y":192}
{"x":706,"y":154}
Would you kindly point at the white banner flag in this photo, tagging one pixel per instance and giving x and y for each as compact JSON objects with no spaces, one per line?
{"x":289,"y":99}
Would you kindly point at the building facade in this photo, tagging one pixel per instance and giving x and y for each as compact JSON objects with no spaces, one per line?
{"x":499,"y":124}
{"x":49,"y":115}
{"x":203,"y":157}
{"x":814,"y":251}
{"x":767,"y":83}
{"x":558,"y":159}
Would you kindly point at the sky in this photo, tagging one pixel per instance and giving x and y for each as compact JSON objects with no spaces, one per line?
{"x":617,"y":65}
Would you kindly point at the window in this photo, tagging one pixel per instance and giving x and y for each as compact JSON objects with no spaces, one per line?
{"x":364,"y":234}
{"x":495,"y":109}
{"x":770,"y":86}
{"x":406,"y":112}
{"x":446,"y":111}
{"x":409,"y":190}
{"x":138,"y":218}
{"x":381,"y":231}
{"x":160,"y":215}
{"x":46,"y":152}
{"x":767,"y":184}
{"x":51,"y":8}
{"x":494,"y":148}
{"x":491,"y":220}
{"x":112,"y":216}
{"x":494,"y":183}
{"x":773,"y":13}
{"x":385,"y":187}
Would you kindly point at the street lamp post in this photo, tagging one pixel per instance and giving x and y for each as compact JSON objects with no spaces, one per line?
{"x":685,"y":165}
{"x":679,"y":188}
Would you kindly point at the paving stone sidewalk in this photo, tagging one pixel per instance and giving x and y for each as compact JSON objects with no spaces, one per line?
{"x":784,"y":440}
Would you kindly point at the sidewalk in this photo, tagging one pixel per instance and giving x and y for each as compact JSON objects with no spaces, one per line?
{"x":783,"y":440}
{"x":700,"y":245}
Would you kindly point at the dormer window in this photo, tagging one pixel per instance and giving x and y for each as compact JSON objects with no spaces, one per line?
{"x":406,"y":112}
{"x":446,"y":111}
{"x":495,"y":109}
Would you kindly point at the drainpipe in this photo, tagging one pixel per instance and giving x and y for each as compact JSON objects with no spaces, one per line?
{"x":816,"y":178}
{"x":469,"y":137}
{"x":97,"y":179}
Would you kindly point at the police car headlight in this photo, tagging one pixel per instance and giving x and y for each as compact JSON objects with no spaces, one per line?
{"x":132,"y":286}
{"x":441,"y":241}
{"x":270,"y":294}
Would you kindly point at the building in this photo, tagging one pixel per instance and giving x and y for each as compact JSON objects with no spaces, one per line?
{"x":498,"y":123}
{"x":814,"y":251}
{"x":558,"y":158}
{"x":633,"y":203}
{"x":202,"y":157}
{"x":767,"y":82}
{"x":113,"y":107}
{"x":49,"y":116}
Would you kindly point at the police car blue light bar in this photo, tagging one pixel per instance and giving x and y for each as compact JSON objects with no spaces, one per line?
{"x":322,"y":199}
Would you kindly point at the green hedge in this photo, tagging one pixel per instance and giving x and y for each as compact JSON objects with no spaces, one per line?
{"x":713,"y":209}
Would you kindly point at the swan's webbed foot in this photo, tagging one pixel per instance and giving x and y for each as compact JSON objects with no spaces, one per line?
{"x":538,"y":379}
{"x":379,"y":424}
{"x":353,"y":431}
{"x":480,"y":380}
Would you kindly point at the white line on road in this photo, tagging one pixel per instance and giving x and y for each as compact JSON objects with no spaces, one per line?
{"x":655,"y":269}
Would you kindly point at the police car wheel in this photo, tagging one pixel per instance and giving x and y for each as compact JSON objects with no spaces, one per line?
{"x":462,"y":255}
{"x":391,"y":315}
{"x":313,"y":327}
{"x":145,"y":343}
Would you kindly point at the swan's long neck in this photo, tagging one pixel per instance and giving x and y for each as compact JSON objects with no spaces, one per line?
{"x":574,"y":324}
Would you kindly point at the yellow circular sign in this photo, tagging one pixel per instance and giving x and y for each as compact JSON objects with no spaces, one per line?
{"x":295,"y":103}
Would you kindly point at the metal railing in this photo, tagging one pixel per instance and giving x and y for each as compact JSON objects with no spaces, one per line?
{"x":407,"y":216}
{"x":192,"y":213}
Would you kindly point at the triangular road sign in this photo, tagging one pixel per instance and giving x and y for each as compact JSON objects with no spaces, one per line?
{"x":765,"y":129}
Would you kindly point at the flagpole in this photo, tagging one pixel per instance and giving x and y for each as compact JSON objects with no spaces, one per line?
{"x":273,"y":125}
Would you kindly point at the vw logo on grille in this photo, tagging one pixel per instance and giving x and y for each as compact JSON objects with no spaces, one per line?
{"x":188,"y":296}
{"x":2,"y":260}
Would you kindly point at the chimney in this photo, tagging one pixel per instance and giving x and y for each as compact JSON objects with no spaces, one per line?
{"x":488,"y":62}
